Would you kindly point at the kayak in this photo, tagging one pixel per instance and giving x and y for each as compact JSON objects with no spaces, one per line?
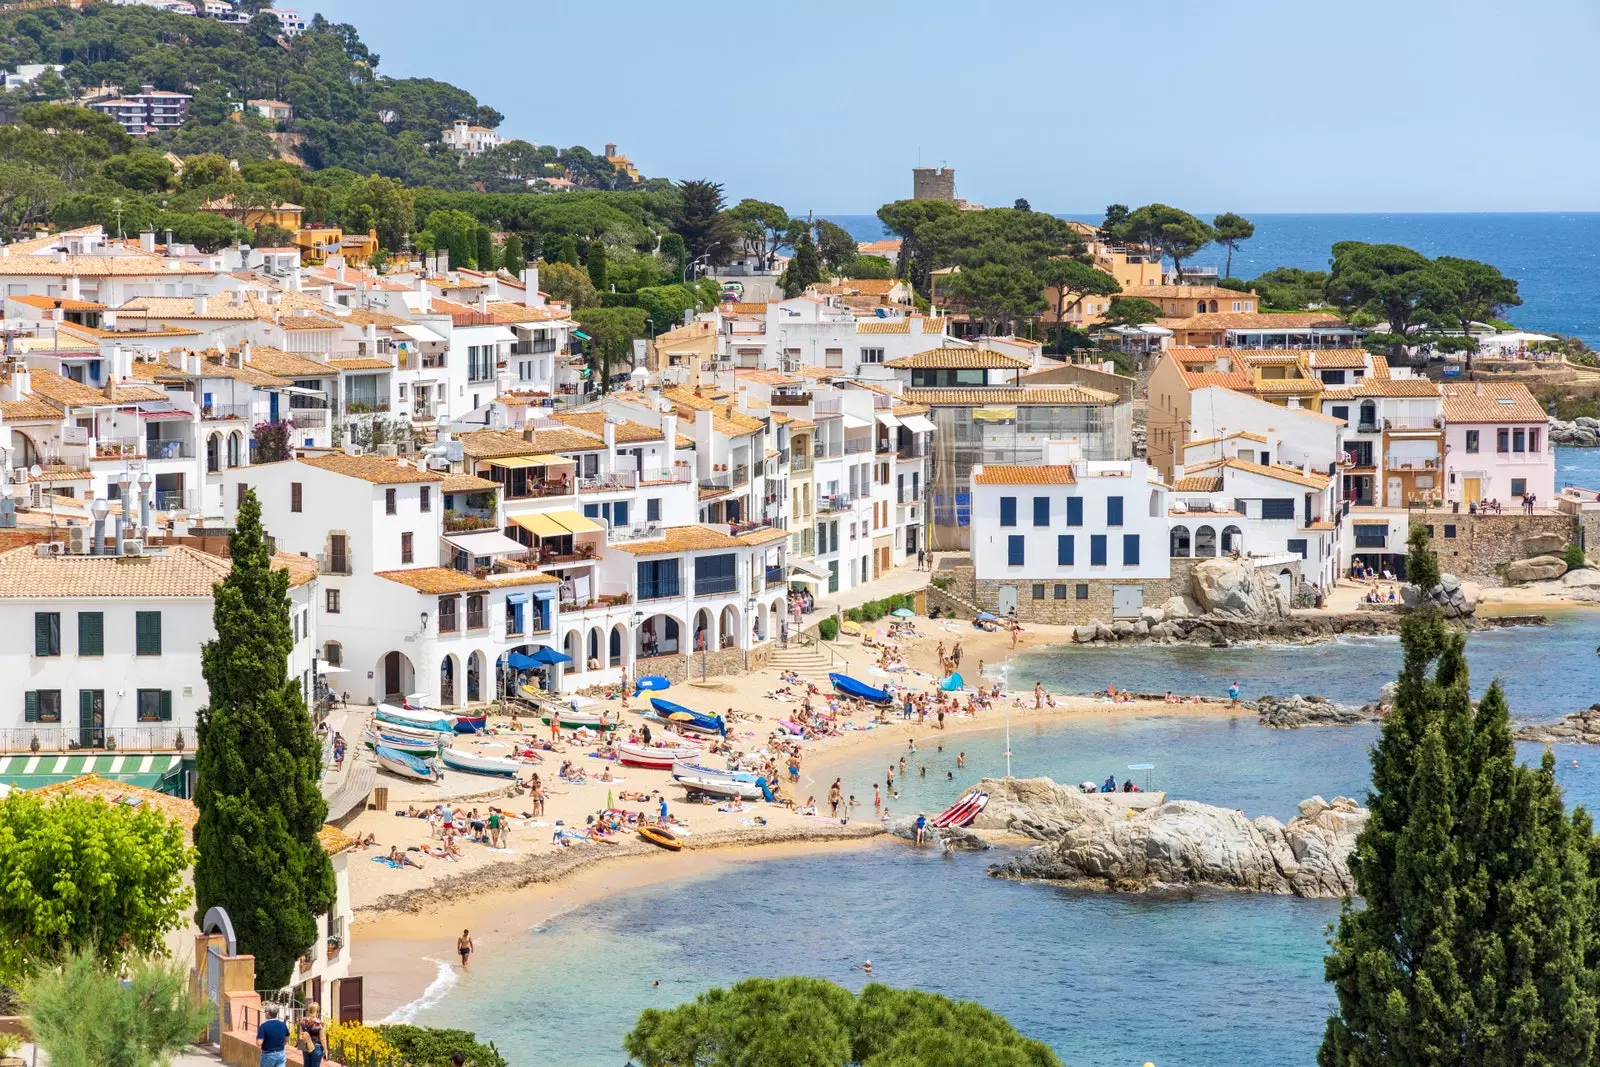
{"x":962,"y":811}
{"x":859,"y":690}
{"x":660,"y":835}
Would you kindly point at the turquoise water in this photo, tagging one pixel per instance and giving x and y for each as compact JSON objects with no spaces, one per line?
{"x":1106,"y":980}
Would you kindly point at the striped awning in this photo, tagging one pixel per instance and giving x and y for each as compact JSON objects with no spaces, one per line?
{"x":28,"y":770}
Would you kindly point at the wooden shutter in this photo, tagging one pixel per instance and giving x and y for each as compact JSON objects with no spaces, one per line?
{"x":41,"y":634}
{"x":91,"y":633}
{"x":85,"y":707}
{"x":294,"y":496}
{"x":30,"y":706}
{"x":148,"y":633}
{"x":166,"y":705}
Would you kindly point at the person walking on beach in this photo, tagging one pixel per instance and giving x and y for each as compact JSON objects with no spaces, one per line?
{"x":1233,"y":693}
{"x":955,"y":655}
{"x":835,"y":795}
{"x":1038,"y":695}
{"x":877,"y":799}
{"x":464,"y":947}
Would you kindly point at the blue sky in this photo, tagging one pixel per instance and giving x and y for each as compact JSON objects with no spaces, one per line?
{"x":1367,"y":105}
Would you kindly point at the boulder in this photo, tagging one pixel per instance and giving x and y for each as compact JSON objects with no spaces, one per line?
{"x":1543,"y":545}
{"x":1232,"y":588}
{"x":1449,"y":596}
{"x":1104,"y":632}
{"x":1180,"y":607}
{"x":1084,"y":634}
{"x":1122,"y":628}
{"x":1583,"y":578}
{"x":1152,"y":615}
{"x":1579,"y":728}
{"x":1141,"y":628}
{"x":1291,"y":713}
{"x":1536,"y":569}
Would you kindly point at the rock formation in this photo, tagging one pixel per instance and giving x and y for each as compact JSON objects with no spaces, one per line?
{"x":1535,"y":569}
{"x":1453,"y":597}
{"x":1579,"y":728}
{"x":1291,"y":713}
{"x":1232,"y":588}
{"x":1090,"y":843}
{"x":1580,"y":431}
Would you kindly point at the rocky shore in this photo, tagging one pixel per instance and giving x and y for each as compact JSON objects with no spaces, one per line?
{"x":1294,"y":712}
{"x":1579,"y":728}
{"x":1181,"y":844}
{"x":1580,"y":431}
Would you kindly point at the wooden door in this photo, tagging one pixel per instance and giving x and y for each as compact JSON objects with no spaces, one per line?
{"x":1471,"y":490}
{"x":391,"y":673}
{"x":348,"y":993}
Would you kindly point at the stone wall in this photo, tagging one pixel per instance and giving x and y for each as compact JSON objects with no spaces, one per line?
{"x":1483,"y":544}
{"x":1069,"y":611}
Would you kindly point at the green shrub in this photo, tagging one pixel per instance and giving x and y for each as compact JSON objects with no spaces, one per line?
{"x":940,"y":583}
{"x":1575,"y":558}
{"x":852,"y":614}
{"x":426,"y":1046}
{"x":828,"y":628}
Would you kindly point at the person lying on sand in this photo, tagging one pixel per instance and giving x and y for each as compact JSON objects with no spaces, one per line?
{"x":402,"y":859}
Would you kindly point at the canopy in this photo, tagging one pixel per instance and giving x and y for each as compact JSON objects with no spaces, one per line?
{"x":493,"y":334}
{"x":331,"y":668}
{"x":903,"y":613}
{"x":29,"y":771}
{"x":917,"y":423}
{"x":804,"y":579}
{"x":543,"y":459}
{"x":542,"y":657}
{"x":851,"y":422}
{"x":886,"y":419}
{"x":812,"y":569}
{"x":420,"y":333}
{"x":556,"y":523}
{"x":484,"y":542}
{"x":952,"y":683}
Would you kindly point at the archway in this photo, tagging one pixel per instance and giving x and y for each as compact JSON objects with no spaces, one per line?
{"x":28,"y":452}
{"x":394,"y":677}
{"x":447,"y":681}
{"x":572,"y":648}
{"x":594,"y":647}
{"x":1205,"y":541}
{"x":704,"y":636}
{"x":759,"y":627}
{"x":214,"y":453}
{"x":619,"y":641}
{"x":728,"y":627}
{"x":235,"y":448}
{"x":1180,"y":541}
{"x":1232,"y":540}
{"x":1369,"y":414}
{"x":659,"y":635}
{"x":475,"y":678}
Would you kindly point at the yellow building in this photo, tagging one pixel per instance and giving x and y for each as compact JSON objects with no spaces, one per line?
{"x":317,"y":243}
{"x":287,"y":216}
{"x":621,"y":163}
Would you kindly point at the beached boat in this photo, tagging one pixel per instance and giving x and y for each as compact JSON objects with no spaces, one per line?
{"x":405,"y":765}
{"x":471,"y":724}
{"x":686,"y":718}
{"x":847,"y":686}
{"x":417,"y":746}
{"x":660,"y":835}
{"x":724,"y":787}
{"x":684,"y":768}
{"x":477,"y":763}
{"x":962,"y":811}
{"x":659,"y":757}
{"x":572,"y":720}
{"x":415,"y":719}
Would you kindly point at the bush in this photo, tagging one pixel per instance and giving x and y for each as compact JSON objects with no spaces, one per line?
{"x":1575,"y":558}
{"x":940,"y":583}
{"x":425,"y":1046}
{"x":828,"y":628}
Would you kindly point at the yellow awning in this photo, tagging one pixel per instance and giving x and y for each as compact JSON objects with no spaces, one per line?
{"x":994,"y":414}
{"x":540,"y":525}
{"x":576,"y":523}
{"x":542,"y":460}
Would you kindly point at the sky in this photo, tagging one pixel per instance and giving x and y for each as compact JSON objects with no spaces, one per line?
{"x":1234,"y":105}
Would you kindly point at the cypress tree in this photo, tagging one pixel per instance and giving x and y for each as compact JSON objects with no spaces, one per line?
{"x":597,"y":263}
{"x":485,"y":249}
{"x":567,"y":251}
{"x":257,"y":764}
{"x":514,"y":257}
{"x":805,"y":268}
{"x":1475,"y":944}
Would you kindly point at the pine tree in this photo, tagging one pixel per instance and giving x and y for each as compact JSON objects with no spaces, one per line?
{"x":567,"y":251}
{"x":1476,"y":941}
{"x":257,"y":765}
{"x":597,"y":263}
{"x":1422,"y":567}
{"x":804,"y":269}
{"x":515,"y":259}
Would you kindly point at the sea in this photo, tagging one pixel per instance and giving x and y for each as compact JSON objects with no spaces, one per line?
{"x":1554,"y":256}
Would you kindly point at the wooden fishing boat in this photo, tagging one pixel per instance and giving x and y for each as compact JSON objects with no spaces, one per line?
{"x":405,"y":765}
{"x":477,"y":763}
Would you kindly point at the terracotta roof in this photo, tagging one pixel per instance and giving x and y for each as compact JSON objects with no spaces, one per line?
{"x":1198,"y":483}
{"x":1497,"y":402}
{"x":368,"y":317}
{"x":872,"y":248}
{"x":1291,"y":320}
{"x":1387,"y":387}
{"x":1237,"y":380}
{"x":281,"y":364}
{"x":1057,"y":474}
{"x":1342,"y":359}
{"x":510,"y":311}
{"x":958,"y":359}
{"x":466,"y":483}
{"x":125,"y":797}
{"x":977,"y":398}
{"x":179,"y":572}
{"x":898,"y":410}
{"x":375,"y":469}
{"x":1267,"y":357}
{"x":1247,"y":435}
{"x":17,"y":264}
{"x":302,"y":569}
{"x":594,"y":422}
{"x":436,"y":580}
{"x":1178,"y":292}
{"x":763,"y":536}
{"x":525,"y":578}
{"x":933,"y":326}
{"x":214,"y":366}
{"x":502,"y":444}
{"x":1287,"y":385}
{"x":48,"y":303}
{"x":361,"y":363}
{"x":767,"y":377}
{"x":27,"y":410}
{"x":65,"y":391}
{"x":302,"y":321}
{"x":1277,"y":471}
{"x":679,"y":539}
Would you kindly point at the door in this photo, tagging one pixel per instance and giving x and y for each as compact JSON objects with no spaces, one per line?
{"x":92,"y":718}
{"x":348,"y":994}
{"x":1395,"y":497}
{"x":391,"y":674}
{"x":1471,"y":490}
{"x":272,"y":405}
{"x":1127,"y":601}
{"x":1006,"y":600}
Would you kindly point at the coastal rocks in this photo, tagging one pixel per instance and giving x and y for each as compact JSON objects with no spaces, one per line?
{"x":1152,"y":616}
{"x":1579,"y":728}
{"x":1547,"y":544}
{"x":963,"y":840}
{"x":1580,"y":431}
{"x":1232,"y":588}
{"x":1583,"y":578}
{"x":1180,"y":607}
{"x":1453,"y":597}
{"x":1184,"y":843}
{"x":1292,"y":713}
{"x":1536,"y":569}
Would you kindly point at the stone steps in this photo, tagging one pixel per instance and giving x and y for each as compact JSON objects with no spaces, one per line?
{"x":806,"y":662}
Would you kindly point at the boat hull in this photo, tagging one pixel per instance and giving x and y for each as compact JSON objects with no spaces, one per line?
{"x":687,"y":718}
{"x":415,"y":746}
{"x":416,"y":720}
{"x":579,"y":719}
{"x":724,"y":787}
{"x":962,"y":811}
{"x":659,"y":758}
{"x":472,"y":763}
{"x":845,"y":685}
{"x":405,"y":765}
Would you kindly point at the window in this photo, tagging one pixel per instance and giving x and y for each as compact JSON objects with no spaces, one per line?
{"x":338,"y":554}
{"x":477,"y":618}
{"x":1065,"y":551}
{"x":1038,"y":590}
{"x":1130,"y":550}
{"x":91,"y":633}
{"x":47,"y":633}
{"x":480,"y":363}
{"x":1008,"y":511}
{"x":1449,"y":530}
{"x":1333,"y":377}
{"x":715,"y":574}
{"x":872,"y":355}
{"x":405,"y":547}
{"x":658,"y":579}
{"x":447,"y":614}
{"x":1340,"y":411}
{"x":331,"y":601}
{"x":1061,"y":590}
{"x":833,"y":357}
{"x":1113,"y":511}
{"x":1014,"y":550}
{"x":1097,"y":550}
{"x":1081,"y":591}
{"x":1519,"y":486}
{"x":389,"y":502}
{"x":1041,"y":511}
{"x":1519,"y":440}
{"x":1372,"y":535}
{"x":1278,"y":508}
{"x":42,"y":705}
{"x":427,"y":498}
{"x":1502,"y":441}
{"x":1472,"y":440}
{"x":147,"y":633}
{"x":239,"y":490}
{"x":294,"y":496}
{"x":333,"y":653}
{"x":154,"y":705}
{"x":1533,"y":440}
{"x":1297,"y":544}
{"x":652,"y":509}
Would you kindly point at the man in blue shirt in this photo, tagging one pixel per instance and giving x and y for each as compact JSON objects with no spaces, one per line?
{"x":271,"y":1037}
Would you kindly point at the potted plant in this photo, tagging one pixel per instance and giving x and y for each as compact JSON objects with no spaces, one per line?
{"x":179,"y":742}
{"x":33,"y":745}
{"x":111,"y":744}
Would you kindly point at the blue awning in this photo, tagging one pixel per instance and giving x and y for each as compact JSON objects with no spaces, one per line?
{"x":545,"y":593}
{"x":517,"y":661}
{"x":516,"y":598}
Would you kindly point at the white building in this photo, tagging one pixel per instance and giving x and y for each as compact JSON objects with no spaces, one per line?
{"x":1279,"y":517}
{"x":464,"y":137}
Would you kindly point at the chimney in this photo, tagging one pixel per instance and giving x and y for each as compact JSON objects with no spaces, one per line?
{"x":74,"y":288}
{"x":369,"y":334}
{"x":1477,"y":388}
{"x":483,"y":301}
{"x":669,"y":438}
{"x":191,"y":363}
{"x":528,"y":434}
{"x":702,"y":430}
{"x":608,"y":459}
{"x":530,"y":284}
{"x":243,"y":354}
{"x":108,"y":319}
{"x":59,"y":255}
{"x":147,"y":241}
{"x":57,"y":314}
{"x":914,"y":325}
{"x":1177,"y":470}
{"x":199,"y":303}
{"x":172,"y":247}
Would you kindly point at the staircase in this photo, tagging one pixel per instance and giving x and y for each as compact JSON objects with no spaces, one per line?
{"x":806,"y":661}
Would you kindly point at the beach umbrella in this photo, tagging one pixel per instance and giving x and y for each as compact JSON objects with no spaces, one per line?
{"x":986,"y":617}
{"x":546,"y":656}
{"x":903,"y":613}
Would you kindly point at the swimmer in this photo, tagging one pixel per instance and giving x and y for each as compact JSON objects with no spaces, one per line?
{"x":867,"y":966}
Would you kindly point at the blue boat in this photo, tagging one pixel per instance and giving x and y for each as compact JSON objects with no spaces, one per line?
{"x":850,"y":687}
{"x":405,"y":765}
{"x":416,"y":720}
{"x":678,"y":715}
{"x":652,"y":682}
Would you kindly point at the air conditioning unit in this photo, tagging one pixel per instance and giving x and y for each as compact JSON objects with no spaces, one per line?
{"x":130,"y":548}
{"x":79,"y":539}
{"x":35,"y":495}
{"x":50,"y":548}
{"x":388,"y":451}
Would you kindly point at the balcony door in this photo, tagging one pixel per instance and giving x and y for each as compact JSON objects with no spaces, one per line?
{"x":92,"y":718}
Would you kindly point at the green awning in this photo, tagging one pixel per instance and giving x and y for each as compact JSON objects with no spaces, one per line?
{"x":27,"y":770}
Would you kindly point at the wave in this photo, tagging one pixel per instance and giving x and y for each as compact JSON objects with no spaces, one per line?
{"x":437,"y":989}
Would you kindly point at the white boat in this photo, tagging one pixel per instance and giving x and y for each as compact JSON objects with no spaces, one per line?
{"x":681,"y":769}
{"x":724,"y":787}
{"x":661,"y":757}
{"x":417,"y":746}
{"x":436,"y":721}
{"x":477,"y":763}
{"x":405,"y":765}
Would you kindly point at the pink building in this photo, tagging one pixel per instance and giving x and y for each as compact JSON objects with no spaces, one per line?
{"x":1496,"y":444}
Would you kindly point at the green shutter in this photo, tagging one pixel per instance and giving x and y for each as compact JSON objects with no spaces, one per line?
{"x":166,"y":705}
{"x":91,"y":633}
{"x":46,"y":633}
{"x":148,"y":633}
{"x":30,"y":706}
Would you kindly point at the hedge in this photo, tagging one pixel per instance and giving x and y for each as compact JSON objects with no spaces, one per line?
{"x":828,"y":628}
{"x":873,"y":610}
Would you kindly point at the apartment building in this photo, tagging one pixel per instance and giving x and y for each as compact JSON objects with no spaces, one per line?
{"x":148,"y":111}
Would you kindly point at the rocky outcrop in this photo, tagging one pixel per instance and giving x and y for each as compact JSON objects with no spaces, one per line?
{"x":1579,"y":728}
{"x":1580,"y":431}
{"x":1583,"y":578}
{"x":1300,"y":627}
{"x":1292,"y":713}
{"x":1546,"y":544}
{"x":1182,"y":844}
{"x":1535,"y":569}
{"x":1454,"y":598}
{"x":1233,"y":589}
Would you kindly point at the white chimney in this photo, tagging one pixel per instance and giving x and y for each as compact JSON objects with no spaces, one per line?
{"x":483,"y":301}
{"x":669,"y":437}
{"x":74,"y":288}
{"x":147,"y":241}
{"x":914,"y":325}
{"x":530,"y":286}
{"x":59,"y":255}
{"x":1177,"y":471}
{"x":108,"y":319}
{"x":199,"y":303}
{"x":191,"y":363}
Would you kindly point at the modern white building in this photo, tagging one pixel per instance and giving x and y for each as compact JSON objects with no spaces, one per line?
{"x":468,"y":139}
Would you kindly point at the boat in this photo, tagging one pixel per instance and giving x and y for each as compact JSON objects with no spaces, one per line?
{"x":417,"y":746}
{"x":572,"y":720}
{"x":659,"y":757}
{"x":650,"y":681}
{"x":724,"y":787}
{"x":471,"y":724}
{"x":962,"y":811}
{"x":477,"y":763}
{"x":683,"y":768}
{"x":417,"y":719}
{"x":687,"y":719}
{"x":660,"y":835}
{"x":405,"y":765}
{"x":847,"y":686}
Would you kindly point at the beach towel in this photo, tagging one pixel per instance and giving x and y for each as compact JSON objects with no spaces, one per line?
{"x":386,"y":861}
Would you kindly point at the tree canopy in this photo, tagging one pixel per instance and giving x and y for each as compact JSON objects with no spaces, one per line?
{"x":1230,"y":231}
{"x":85,"y":1014}
{"x":1072,"y":280}
{"x":1172,"y":232}
{"x":808,"y":1022}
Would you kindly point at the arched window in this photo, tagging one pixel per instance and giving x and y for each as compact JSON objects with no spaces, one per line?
{"x":1213,"y":306}
{"x":1199,"y":307}
{"x":1369,"y":414}
{"x":1232,"y":540}
{"x":1205,"y":541}
{"x":1180,"y":541}
{"x":235,"y":449}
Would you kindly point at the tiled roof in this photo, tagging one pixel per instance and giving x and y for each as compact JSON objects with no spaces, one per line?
{"x":929,"y":325}
{"x":361,"y":363}
{"x":1055,"y":474}
{"x":1179,"y":292}
{"x":767,"y":377}
{"x":28,"y":409}
{"x":977,"y":398}
{"x":302,"y":321}
{"x":525,"y":578}
{"x":752,"y":308}
{"x":302,"y":569}
{"x":179,"y":572}
{"x":1290,"y":320}
{"x":1198,"y":379}
{"x":48,"y":303}
{"x":466,"y":483}
{"x":369,"y":317}
{"x":375,"y":469}
{"x":898,"y":410}
{"x":60,"y":341}
{"x":1198,"y":483}
{"x":762,"y":536}
{"x":594,"y":422}
{"x":1267,"y":357}
{"x":1287,"y":385}
{"x":215,"y":366}
{"x":1385,"y":387}
{"x":281,"y":364}
{"x":1342,"y":359}
{"x":126,"y":797}
{"x":65,"y":391}
{"x":436,"y":580}
{"x":678,"y":539}
{"x":1277,"y":471}
{"x":16,"y":264}
{"x":501,"y":444}
{"x":1246,"y":434}
{"x":1497,"y":402}
{"x":958,"y":359}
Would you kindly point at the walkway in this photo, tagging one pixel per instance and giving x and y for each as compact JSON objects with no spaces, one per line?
{"x":902,"y":579}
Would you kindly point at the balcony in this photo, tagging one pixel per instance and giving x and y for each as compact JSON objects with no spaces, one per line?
{"x":225,"y":413}
{"x":308,"y":418}
{"x":178,"y":500}
{"x":739,"y":528}
{"x":333,"y":563}
{"x":664,"y":590}
{"x":533,"y":348}
{"x":476,"y":619}
{"x":458,"y":522}
{"x":643,"y":531}
{"x":118,"y":447}
{"x":721,"y":585}
{"x":835,"y":502}
{"x":741,"y":474}
{"x":775,"y":576}
{"x":616,"y":481}
{"x":448,"y":623}
{"x":759,"y":468}
{"x":886,"y":446}
{"x":856,"y":446}
{"x":53,"y":737}
{"x":168,"y":449}
{"x":367,"y":407}
{"x":917,"y":449}
{"x":1414,"y":422}
{"x":1393,"y":462}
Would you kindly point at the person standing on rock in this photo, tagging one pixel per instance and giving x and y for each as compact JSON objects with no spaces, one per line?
{"x":1233,"y":693}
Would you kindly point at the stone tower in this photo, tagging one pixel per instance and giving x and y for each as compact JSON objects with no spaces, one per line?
{"x":933,"y":183}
